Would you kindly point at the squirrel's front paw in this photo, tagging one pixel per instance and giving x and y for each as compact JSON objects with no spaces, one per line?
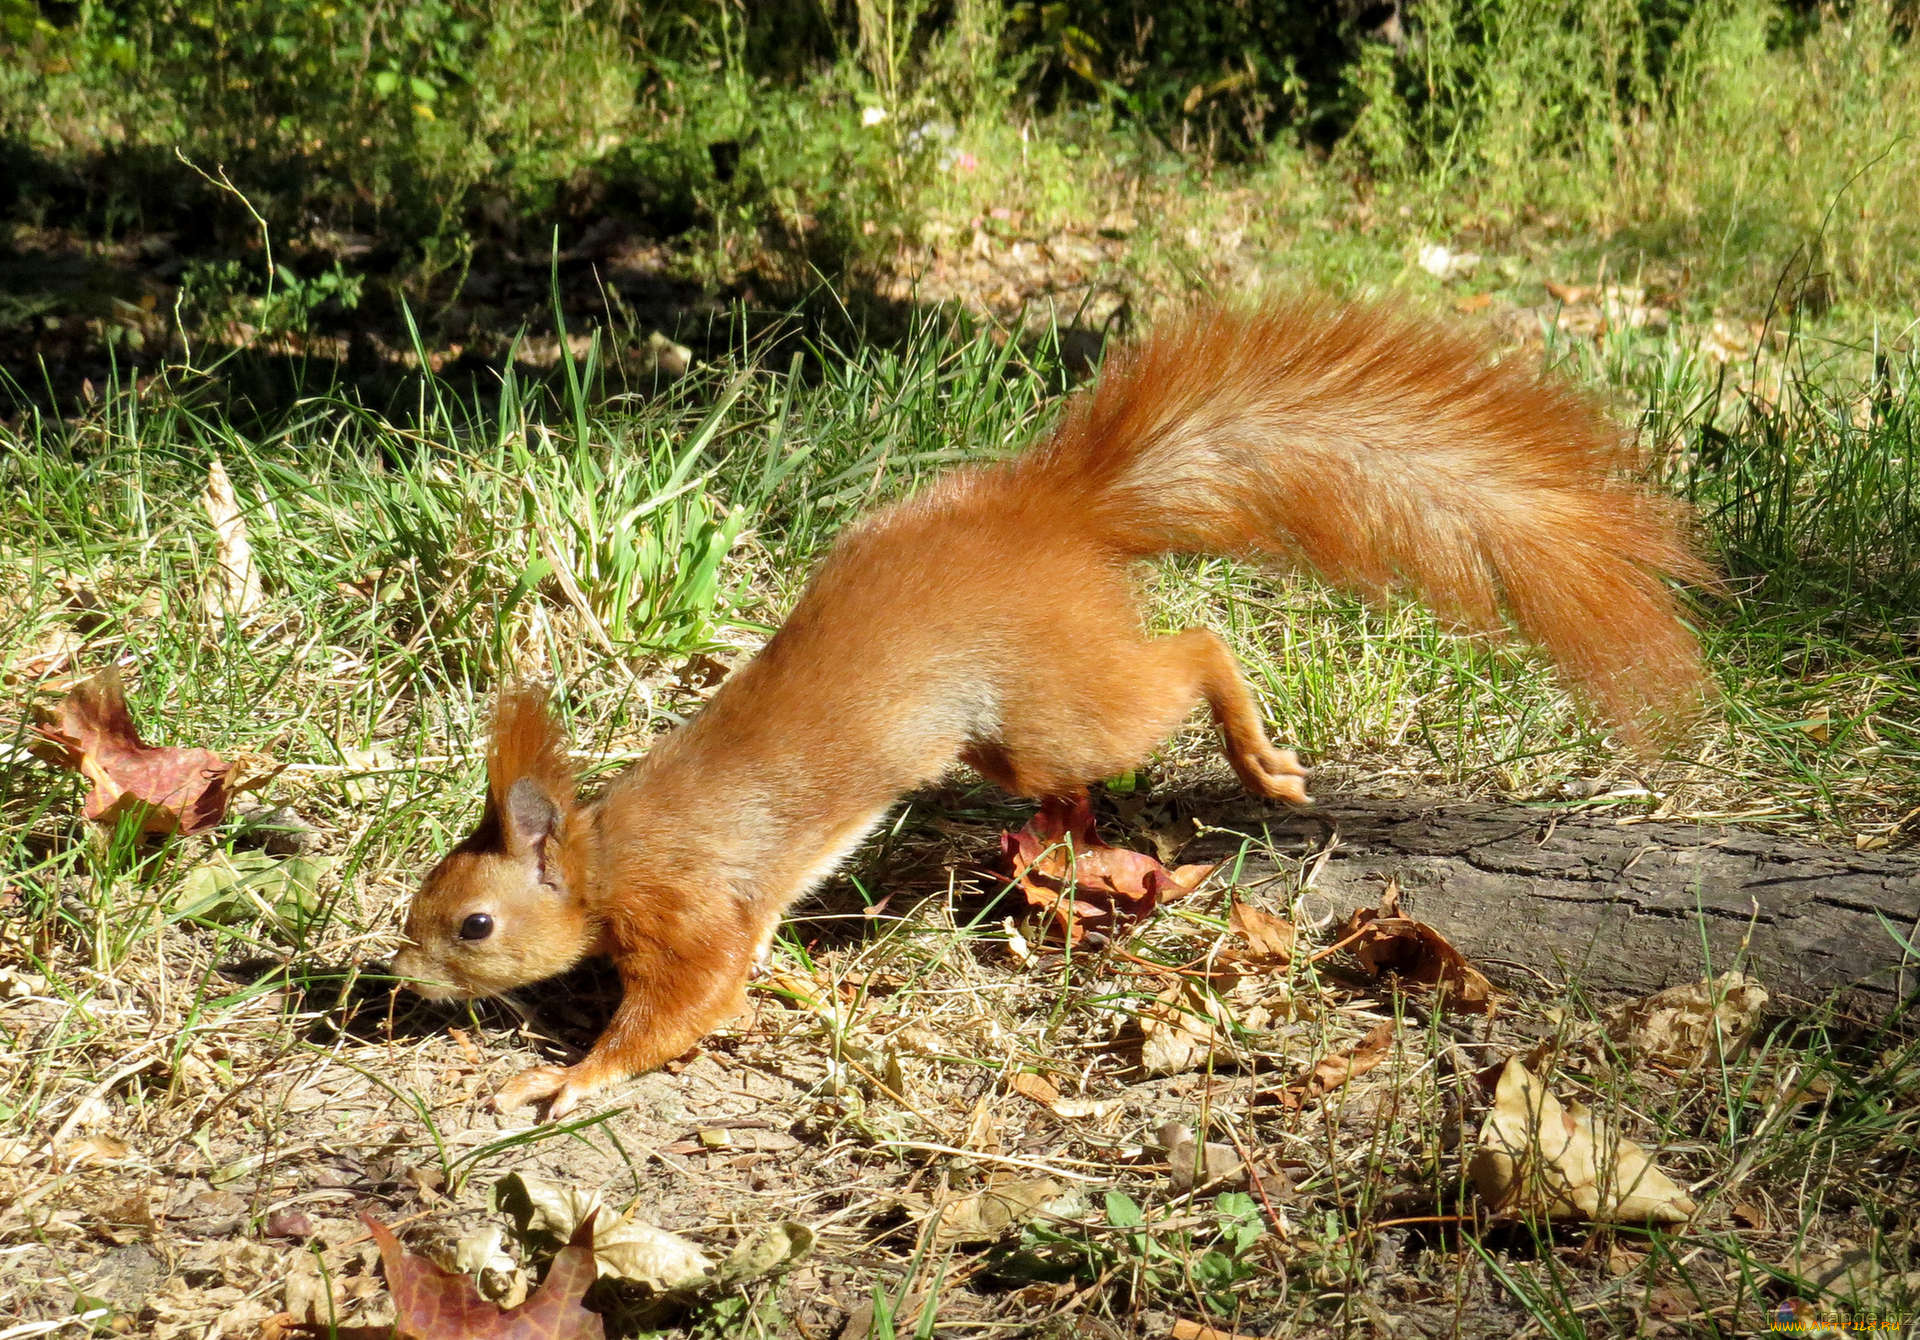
{"x":560,"y":1087}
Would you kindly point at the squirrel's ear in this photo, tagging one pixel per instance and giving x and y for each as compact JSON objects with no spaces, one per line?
{"x":530,"y":782}
{"x":532,"y":816}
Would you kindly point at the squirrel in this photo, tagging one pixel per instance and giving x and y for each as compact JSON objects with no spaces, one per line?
{"x":992,"y":619}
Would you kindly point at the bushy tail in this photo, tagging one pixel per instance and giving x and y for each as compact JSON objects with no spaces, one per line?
{"x":1387,"y":451}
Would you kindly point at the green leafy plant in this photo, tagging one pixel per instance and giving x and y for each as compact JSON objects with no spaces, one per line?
{"x":1211,"y":1263}
{"x":214,"y":294}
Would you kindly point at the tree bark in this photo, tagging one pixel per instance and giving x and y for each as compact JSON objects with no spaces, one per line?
{"x":1614,"y":905}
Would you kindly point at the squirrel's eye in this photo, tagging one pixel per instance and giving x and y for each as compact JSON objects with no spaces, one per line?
{"x":476,"y":927}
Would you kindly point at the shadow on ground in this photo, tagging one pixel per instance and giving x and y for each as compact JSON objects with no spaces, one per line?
{"x":107,"y":262}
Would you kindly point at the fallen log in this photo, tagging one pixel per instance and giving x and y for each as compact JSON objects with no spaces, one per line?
{"x":1615,"y":904}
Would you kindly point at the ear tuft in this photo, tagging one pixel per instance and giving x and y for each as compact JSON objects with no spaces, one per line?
{"x":528,"y":758}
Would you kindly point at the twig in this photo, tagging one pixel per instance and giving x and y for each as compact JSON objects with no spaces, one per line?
{"x":27,"y":1328}
{"x":1006,"y":1160}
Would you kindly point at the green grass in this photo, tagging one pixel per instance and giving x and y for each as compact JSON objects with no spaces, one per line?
{"x":1718,"y":143}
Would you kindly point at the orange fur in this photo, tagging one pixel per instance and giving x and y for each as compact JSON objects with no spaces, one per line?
{"x":993,"y":620}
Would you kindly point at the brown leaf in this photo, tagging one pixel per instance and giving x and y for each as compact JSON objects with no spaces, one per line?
{"x":1390,"y":898}
{"x":170,"y":789}
{"x":93,"y":1151}
{"x":49,"y":652}
{"x":1693,"y":1024}
{"x":1194,"y":1330}
{"x":1083,"y":884}
{"x":289,"y":1224}
{"x":981,"y":1133}
{"x":1386,"y":942}
{"x":1036,"y":1087}
{"x":1099,"y":1110}
{"x":985,"y":1215}
{"x":434,"y":1304}
{"x":1180,"y":1029}
{"x":1205,"y":1164}
{"x":1538,"y":1156}
{"x":1338,"y":1068}
{"x":1269,"y":938}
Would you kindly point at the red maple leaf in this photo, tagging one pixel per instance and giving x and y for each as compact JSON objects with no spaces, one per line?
{"x":171,"y":790}
{"x":1064,"y":869}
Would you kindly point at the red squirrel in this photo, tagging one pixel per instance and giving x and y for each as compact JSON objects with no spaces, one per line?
{"x":992,"y":619}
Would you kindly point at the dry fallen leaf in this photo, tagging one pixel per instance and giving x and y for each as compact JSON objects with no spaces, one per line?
{"x":919,"y":1040}
{"x":803,"y":991}
{"x":1211,"y":1165}
{"x":371,"y":775}
{"x":1183,"y":1329}
{"x":662,"y":1261}
{"x":49,"y":652}
{"x":19,"y":984}
{"x":233,"y":887}
{"x":234,"y":590}
{"x":1270,"y":939}
{"x":772,"y":1247}
{"x":1180,"y":1028}
{"x":311,"y":1298}
{"x":1539,"y":1156}
{"x":127,"y":1218}
{"x":1017,"y":947}
{"x":93,"y":1151}
{"x":630,"y":1249}
{"x":169,"y":789}
{"x":434,"y":1304}
{"x":1692,"y":1024}
{"x":982,"y":1131}
{"x":1110,"y":886}
{"x":480,"y":1256}
{"x":1338,"y":1068}
{"x":1036,"y":1087}
{"x":985,"y":1215}
{"x":1097,"y":1110}
{"x":1386,"y":942}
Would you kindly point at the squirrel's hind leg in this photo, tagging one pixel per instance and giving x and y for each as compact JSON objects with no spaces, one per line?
{"x":1200,"y":659}
{"x":1119,"y":707}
